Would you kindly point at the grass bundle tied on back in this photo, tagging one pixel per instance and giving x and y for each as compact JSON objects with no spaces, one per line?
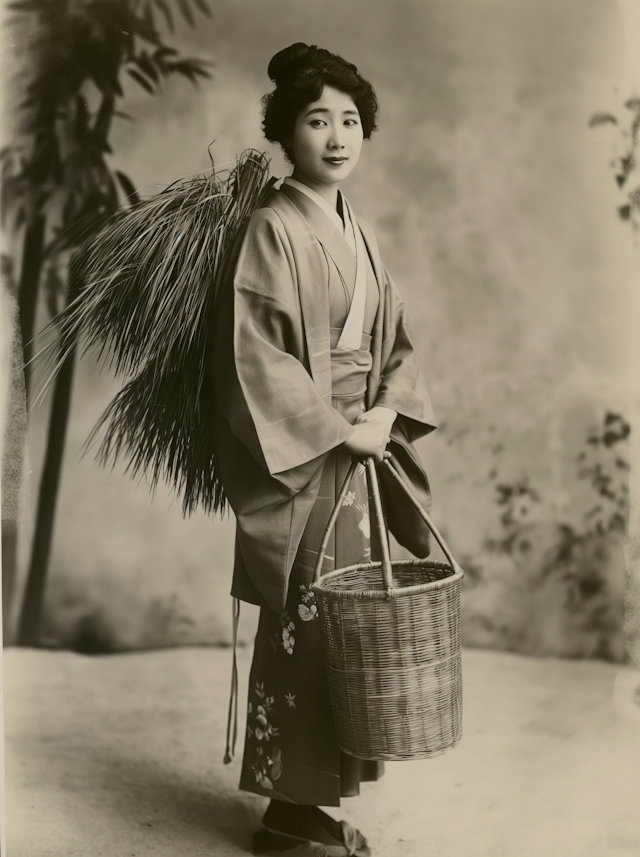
{"x":145,"y":303}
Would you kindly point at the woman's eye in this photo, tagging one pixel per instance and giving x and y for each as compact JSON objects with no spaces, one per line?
{"x":317,"y":123}
{"x":351,"y":122}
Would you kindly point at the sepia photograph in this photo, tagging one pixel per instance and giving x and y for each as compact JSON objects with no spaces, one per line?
{"x":320,"y":428}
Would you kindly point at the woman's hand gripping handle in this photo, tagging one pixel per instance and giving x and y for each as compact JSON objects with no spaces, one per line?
{"x":371,"y":434}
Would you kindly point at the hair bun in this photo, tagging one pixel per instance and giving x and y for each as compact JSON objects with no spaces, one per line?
{"x":285,"y":59}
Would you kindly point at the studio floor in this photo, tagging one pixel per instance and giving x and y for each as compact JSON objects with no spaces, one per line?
{"x":121,"y":756}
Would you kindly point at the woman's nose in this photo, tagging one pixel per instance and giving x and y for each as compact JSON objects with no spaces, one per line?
{"x":335,"y":140}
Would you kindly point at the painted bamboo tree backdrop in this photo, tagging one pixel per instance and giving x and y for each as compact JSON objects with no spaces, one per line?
{"x":496,"y":212}
{"x":59,"y":185}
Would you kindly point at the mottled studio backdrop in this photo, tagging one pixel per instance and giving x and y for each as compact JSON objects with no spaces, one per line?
{"x":495,"y":206}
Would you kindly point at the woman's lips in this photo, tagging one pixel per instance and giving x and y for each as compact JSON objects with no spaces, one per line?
{"x":335,"y":161}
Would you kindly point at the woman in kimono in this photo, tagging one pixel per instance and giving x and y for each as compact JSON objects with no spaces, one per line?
{"x":312,"y":365}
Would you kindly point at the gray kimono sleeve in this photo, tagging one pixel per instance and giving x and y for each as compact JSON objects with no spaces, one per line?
{"x":402,"y":387}
{"x":275,"y":408}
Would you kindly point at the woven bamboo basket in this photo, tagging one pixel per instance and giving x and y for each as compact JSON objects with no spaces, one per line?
{"x":392,"y":647}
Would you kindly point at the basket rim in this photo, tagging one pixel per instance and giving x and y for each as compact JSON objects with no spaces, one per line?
{"x":320,"y":587}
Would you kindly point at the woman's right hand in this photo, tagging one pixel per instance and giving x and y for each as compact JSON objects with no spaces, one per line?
{"x":368,"y":439}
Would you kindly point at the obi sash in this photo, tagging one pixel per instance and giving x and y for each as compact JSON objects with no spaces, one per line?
{"x":350,"y":368}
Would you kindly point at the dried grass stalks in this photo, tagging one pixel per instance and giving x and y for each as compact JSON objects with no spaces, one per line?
{"x":146,"y":298}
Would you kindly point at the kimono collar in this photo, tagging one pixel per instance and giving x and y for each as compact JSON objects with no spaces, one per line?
{"x":345,"y":226}
{"x":325,"y":230}
{"x":351,"y":337}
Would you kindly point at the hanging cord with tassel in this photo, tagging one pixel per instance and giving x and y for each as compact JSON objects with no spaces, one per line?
{"x":233,"y":697}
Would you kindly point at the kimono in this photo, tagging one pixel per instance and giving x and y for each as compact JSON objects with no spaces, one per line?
{"x":287,"y":393}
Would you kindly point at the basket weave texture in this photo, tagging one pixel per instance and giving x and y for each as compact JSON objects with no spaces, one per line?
{"x":392,"y":647}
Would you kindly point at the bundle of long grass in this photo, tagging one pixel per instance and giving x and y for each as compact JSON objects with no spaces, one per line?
{"x":146,"y":300}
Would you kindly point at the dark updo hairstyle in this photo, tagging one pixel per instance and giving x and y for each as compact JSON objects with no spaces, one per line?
{"x":300,"y":73}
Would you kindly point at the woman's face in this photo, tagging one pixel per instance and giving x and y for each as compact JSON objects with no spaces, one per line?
{"x":327,"y":140}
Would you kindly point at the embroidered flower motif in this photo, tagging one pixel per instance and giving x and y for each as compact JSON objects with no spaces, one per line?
{"x":268,"y":732}
{"x":364,"y":524}
{"x":276,"y":764}
{"x":306,"y":595}
{"x":267,"y":766}
{"x":291,"y":699}
{"x":263,"y":729}
{"x":268,"y":703}
{"x":288,"y":640}
{"x":263,"y":780}
{"x":349,"y":498}
{"x":283,"y":634}
{"x":307,"y":613}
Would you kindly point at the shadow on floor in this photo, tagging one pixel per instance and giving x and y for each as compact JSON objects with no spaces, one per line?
{"x":144,"y":793}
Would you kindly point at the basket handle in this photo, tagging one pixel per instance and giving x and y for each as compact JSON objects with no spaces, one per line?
{"x":423,"y":514}
{"x":332,"y":519}
{"x":374,"y":491}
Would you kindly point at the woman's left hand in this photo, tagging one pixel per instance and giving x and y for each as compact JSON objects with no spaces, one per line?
{"x":385,"y":416}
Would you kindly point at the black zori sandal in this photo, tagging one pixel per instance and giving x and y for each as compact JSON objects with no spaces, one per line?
{"x":353,"y":843}
{"x":309,"y":831}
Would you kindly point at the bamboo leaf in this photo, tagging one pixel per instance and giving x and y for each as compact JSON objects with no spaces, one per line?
{"x":147,"y":16}
{"x":128,"y":187}
{"x":204,"y":7}
{"x":166,"y":11}
{"x":189,"y":68}
{"x":164,"y":51}
{"x":106,"y":80}
{"x":142,"y":81}
{"x":187,"y":14}
{"x":102,"y":123}
{"x":24,"y":6}
{"x":602,"y":119}
{"x":146,"y":66}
